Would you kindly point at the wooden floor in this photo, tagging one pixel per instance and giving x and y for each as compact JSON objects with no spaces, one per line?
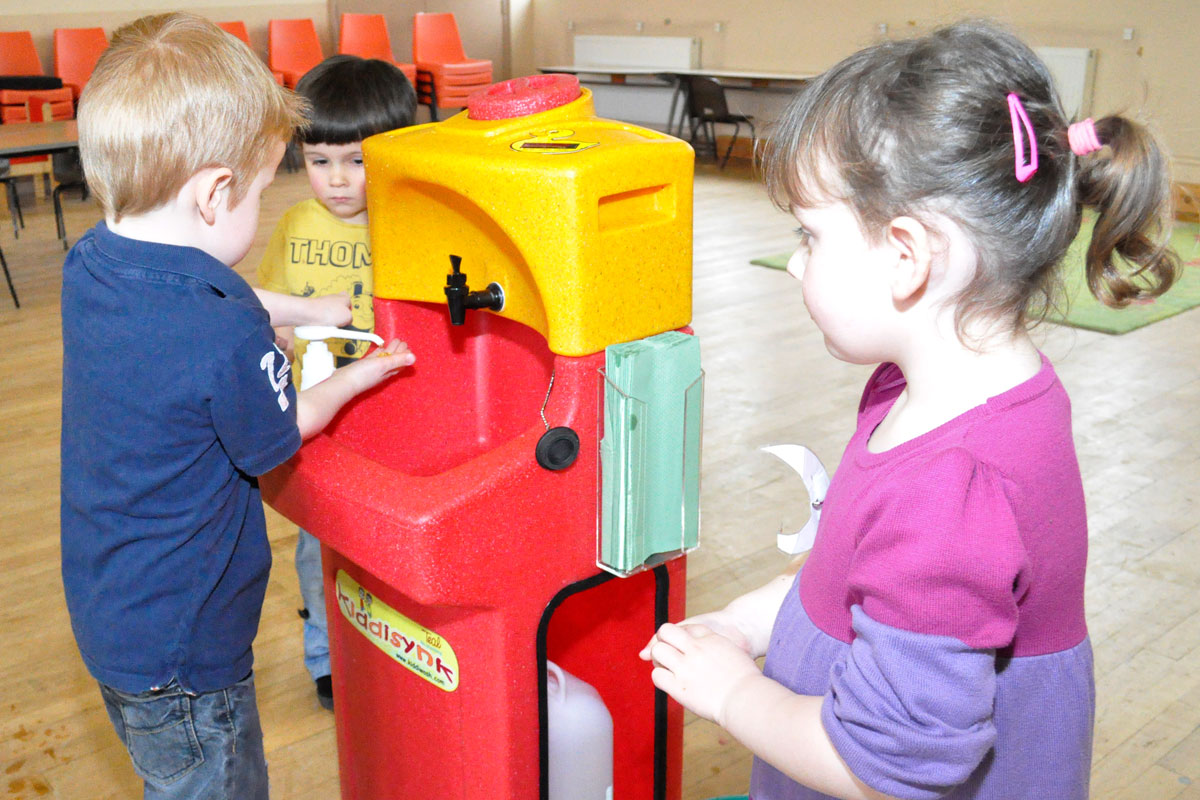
{"x":1137,"y":423}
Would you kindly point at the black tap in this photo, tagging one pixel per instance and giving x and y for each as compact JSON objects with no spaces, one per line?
{"x":459,"y":298}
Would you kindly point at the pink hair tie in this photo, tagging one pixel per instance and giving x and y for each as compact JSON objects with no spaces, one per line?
{"x":1024,"y":169}
{"x":1083,"y":138}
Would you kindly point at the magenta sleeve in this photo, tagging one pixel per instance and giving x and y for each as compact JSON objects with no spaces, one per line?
{"x":943,"y":556}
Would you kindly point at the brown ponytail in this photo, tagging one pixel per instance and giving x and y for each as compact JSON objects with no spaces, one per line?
{"x":1128,"y":184}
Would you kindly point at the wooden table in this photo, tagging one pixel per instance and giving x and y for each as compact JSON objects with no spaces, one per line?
{"x":32,"y":139}
{"x":37,"y":138}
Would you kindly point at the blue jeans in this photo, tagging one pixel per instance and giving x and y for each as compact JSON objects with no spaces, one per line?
{"x":193,"y":746}
{"x":312,"y":590}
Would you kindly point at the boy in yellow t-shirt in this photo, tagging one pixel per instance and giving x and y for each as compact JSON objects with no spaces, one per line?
{"x":320,"y":247}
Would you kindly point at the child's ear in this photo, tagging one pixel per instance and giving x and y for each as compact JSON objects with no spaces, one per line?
{"x":912,"y":242}
{"x":210,"y":187}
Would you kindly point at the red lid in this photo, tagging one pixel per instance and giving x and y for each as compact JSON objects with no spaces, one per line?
{"x":521,"y":97}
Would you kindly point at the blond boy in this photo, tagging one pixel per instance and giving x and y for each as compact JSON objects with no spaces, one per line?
{"x":175,"y":397}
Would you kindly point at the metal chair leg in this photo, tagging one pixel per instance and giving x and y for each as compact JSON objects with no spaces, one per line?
{"x":8,"y":278}
{"x":708,"y":136}
{"x":737,"y":127}
{"x":712,"y":140}
{"x":14,"y":208}
{"x":58,"y":215}
{"x":732,"y":141}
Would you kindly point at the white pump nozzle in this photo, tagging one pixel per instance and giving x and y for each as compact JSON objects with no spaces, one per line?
{"x":315,"y":333}
{"x":318,"y":361}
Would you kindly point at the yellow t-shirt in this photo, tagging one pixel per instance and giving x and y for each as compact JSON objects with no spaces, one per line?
{"x":313,"y":253}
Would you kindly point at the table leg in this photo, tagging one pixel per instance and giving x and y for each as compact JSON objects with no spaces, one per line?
{"x":675,"y":93}
{"x":8,"y":278}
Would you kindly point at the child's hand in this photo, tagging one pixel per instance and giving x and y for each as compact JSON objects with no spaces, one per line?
{"x":285,"y":340}
{"x":719,"y":622}
{"x":748,"y":619}
{"x":373,"y":368}
{"x":700,"y":669}
{"x":331,"y":309}
{"x":316,"y":406}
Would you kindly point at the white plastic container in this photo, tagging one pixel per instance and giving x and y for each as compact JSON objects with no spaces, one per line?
{"x":580,"y":733}
{"x":317,"y":364}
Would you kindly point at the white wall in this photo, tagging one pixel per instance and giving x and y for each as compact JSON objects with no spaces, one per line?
{"x":1153,"y":73}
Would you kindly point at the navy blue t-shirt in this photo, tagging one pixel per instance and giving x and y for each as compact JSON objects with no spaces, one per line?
{"x":174,"y":399}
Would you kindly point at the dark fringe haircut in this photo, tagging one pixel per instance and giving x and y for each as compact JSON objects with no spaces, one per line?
{"x":353,"y":98}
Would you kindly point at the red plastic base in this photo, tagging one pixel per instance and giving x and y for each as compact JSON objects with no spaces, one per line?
{"x":427,"y":497}
{"x":401,"y":737}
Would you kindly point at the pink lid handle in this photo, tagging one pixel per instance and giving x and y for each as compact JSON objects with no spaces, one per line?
{"x":521,"y":97}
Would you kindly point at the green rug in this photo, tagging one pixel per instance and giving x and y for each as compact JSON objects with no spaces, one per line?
{"x":774,"y":262}
{"x":1085,"y":311}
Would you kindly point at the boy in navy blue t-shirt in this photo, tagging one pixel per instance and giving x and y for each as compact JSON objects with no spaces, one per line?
{"x":175,"y":397}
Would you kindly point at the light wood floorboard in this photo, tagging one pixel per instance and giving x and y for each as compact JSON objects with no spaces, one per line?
{"x":1136,"y":401}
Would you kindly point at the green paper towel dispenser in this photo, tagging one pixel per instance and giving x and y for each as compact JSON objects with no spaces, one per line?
{"x":650,"y":452}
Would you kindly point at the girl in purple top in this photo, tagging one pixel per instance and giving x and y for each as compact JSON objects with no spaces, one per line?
{"x":934,"y":643}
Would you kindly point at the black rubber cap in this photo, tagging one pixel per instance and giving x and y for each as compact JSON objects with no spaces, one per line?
{"x":557,"y":449}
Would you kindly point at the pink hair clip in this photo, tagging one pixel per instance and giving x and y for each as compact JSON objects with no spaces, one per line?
{"x":1083,"y":138}
{"x":1024,"y":170}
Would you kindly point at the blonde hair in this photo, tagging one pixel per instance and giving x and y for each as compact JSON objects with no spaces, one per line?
{"x":174,"y":94}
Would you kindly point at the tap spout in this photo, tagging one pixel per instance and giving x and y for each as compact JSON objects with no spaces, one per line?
{"x":460,"y":298}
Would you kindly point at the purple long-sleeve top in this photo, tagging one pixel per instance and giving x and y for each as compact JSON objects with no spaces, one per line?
{"x":940,"y":613}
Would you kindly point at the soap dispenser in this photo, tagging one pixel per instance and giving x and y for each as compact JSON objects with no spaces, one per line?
{"x":317,"y":364}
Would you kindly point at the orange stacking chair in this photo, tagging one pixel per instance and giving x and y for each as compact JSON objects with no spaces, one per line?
{"x":293,"y":48}
{"x":19,"y":59}
{"x":76,"y":51}
{"x":238,"y":29}
{"x":445,"y":76}
{"x":366,"y":35}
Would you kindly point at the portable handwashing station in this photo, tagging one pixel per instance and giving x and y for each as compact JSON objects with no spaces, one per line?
{"x":528,"y":489}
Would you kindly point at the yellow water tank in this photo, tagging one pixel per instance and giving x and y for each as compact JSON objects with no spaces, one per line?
{"x":585,"y":223}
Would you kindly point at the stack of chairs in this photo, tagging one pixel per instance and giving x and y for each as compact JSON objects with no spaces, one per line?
{"x":19,"y":62}
{"x":445,"y":76}
{"x":366,"y":36}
